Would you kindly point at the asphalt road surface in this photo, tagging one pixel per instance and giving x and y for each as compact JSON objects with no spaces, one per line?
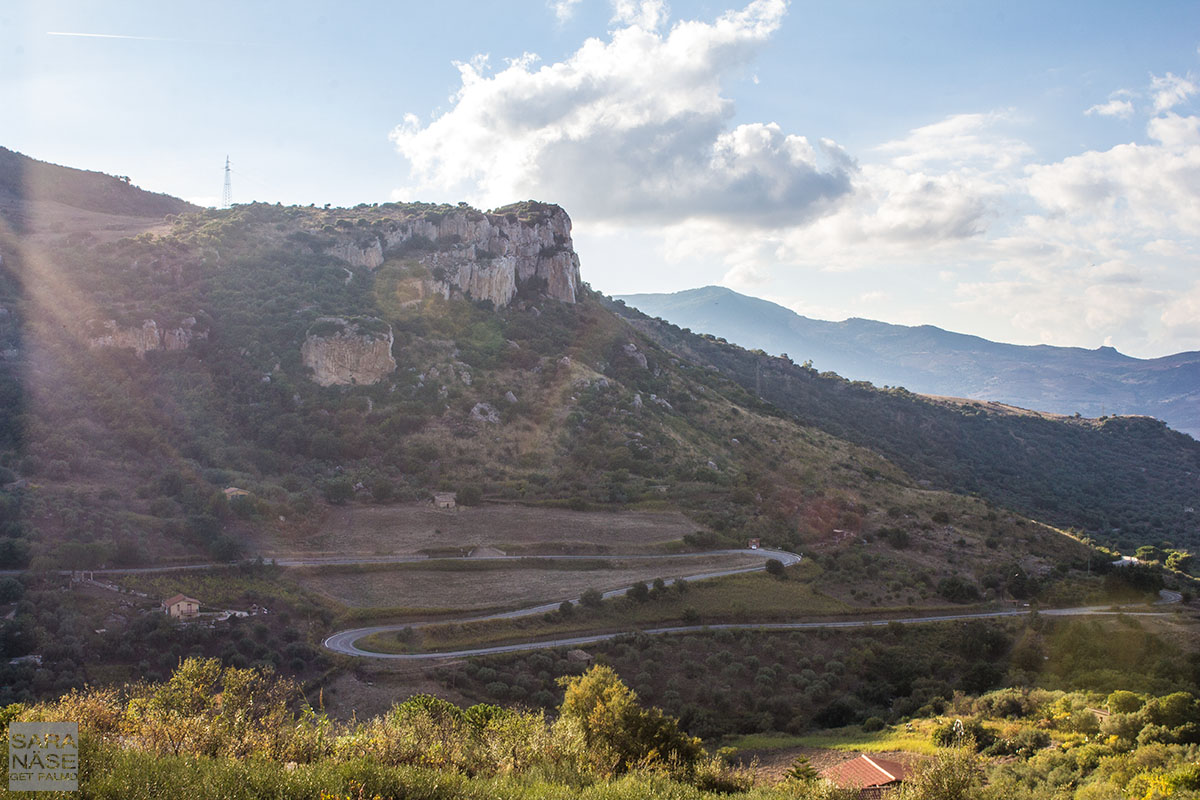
{"x":343,"y":642}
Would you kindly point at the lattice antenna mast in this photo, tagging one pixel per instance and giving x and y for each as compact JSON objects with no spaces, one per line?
{"x":227,"y":194}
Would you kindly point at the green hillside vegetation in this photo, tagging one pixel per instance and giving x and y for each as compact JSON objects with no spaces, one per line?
{"x":111,"y":459}
{"x":217,"y":731}
{"x":1126,"y":481}
{"x":724,"y":682}
{"x":130,"y":455}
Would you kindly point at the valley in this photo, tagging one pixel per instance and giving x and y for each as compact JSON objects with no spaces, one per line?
{"x":424,"y":457}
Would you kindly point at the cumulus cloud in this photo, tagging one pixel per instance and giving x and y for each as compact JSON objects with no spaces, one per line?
{"x":1115,"y":107}
{"x":1171,"y":90}
{"x":959,"y":140}
{"x":1182,"y":315}
{"x":634,"y":134}
{"x":563,"y":9}
{"x":1131,"y":189}
{"x":647,"y":14}
{"x":632,"y":128}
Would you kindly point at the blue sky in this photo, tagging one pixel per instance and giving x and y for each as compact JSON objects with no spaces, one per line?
{"x":1029,"y":172}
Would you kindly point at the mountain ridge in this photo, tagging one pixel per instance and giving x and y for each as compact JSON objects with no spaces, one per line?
{"x":931,"y":360}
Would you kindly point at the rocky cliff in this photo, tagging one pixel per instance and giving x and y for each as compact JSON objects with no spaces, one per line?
{"x":483,"y":256}
{"x":149,"y":336}
{"x":342,"y":352}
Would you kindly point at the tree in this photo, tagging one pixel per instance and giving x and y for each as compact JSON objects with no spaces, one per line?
{"x":775,"y":568}
{"x":1123,"y":702}
{"x":953,"y":774}
{"x":801,"y":770}
{"x":619,"y":733}
{"x":469,"y":495}
{"x":591,"y":598}
{"x":338,"y":491}
{"x":11,"y":590}
{"x":1179,"y":560}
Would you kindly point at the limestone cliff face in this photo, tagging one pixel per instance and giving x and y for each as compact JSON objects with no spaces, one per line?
{"x":483,"y":256}
{"x":148,"y":337}
{"x":341,"y":352}
{"x":367,"y":254}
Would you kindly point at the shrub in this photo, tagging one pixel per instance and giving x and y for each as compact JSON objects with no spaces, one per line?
{"x":338,"y":491}
{"x":619,"y":733}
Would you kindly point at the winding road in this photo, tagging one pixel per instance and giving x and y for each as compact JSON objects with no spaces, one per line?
{"x":343,"y":642}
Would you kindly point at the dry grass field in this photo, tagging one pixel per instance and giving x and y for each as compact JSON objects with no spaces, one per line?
{"x":466,"y":586}
{"x":418,"y":527}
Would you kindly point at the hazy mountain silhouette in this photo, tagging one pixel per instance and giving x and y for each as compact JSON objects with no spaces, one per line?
{"x":930,"y":360}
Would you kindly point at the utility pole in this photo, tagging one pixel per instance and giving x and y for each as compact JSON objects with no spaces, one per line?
{"x":227,"y":194}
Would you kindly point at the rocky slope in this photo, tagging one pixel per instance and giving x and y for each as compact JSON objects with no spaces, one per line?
{"x":146,"y":337}
{"x":482,"y":256}
{"x":340,"y":352}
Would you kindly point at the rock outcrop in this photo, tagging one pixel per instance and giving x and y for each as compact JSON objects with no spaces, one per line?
{"x":368,"y":254}
{"x":149,"y":336}
{"x":483,"y":256}
{"x":343,"y":352}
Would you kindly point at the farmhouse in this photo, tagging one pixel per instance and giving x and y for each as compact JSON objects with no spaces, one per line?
{"x":181,"y":607}
{"x":444,"y":499}
{"x":873,"y":777}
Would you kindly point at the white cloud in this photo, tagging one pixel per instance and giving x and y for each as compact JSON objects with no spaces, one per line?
{"x":1181,"y":316}
{"x":1115,"y":107}
{"x":960,"y":140}
{"x":563,"y":9}
{"x":955,"y":221}
{"x":634,"y":128}
{"x":1171,"y":90}
{"x":645,"y":14}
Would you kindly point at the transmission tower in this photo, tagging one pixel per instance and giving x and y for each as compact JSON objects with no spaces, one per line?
{"x":227,"y":194}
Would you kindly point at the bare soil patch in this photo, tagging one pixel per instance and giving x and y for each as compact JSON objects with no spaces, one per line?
{"x":419,"y":528}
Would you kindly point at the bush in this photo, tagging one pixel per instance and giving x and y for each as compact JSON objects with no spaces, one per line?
{"x":338,"y":491}
{"x":619,"y":733}
{"x":956,"y":590}
{"x":470,"y":495}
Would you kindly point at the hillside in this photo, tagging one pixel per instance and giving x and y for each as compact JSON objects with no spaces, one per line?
{"x":307,"y":356}
{"x":1093,"y":474}
{"x":929,"y":360}
{"x":36,"y":194}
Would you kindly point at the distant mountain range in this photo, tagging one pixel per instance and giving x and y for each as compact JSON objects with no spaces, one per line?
{"x":929,"y":360}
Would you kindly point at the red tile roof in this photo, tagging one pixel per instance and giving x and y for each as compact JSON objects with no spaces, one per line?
{"x":179,"y":598}
{"x":864,"y":772}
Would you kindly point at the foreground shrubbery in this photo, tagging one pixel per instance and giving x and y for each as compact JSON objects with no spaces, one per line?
{"x":224,"y":732}
{"x":234,"y":733}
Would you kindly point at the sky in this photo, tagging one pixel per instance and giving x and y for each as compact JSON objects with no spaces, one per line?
{"x":1024,"y":171}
